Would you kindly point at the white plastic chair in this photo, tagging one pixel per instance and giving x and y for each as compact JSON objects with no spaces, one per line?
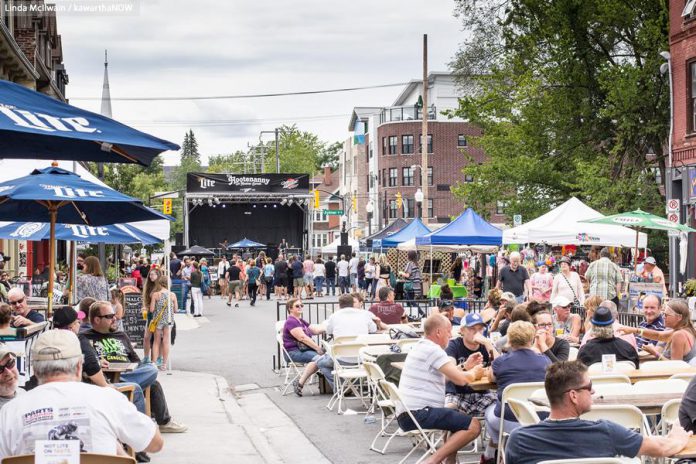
{"x":661,"y":386}
{"x":666,"y":365}
{"x":626,"y":415}
{"x":347,"y":377}
{"x":684,"y":376}
{"x":619,"y":368}
{"x":524,"y":411}
{"x":598,"y":379}
{"x":345,"y":339}
{"x":429,"y":438}
{"x":520,"y":391}
{"x":381,"y":399}
{"x":593,"y":461}
{"x":670,"y":415}
{"x":573,"y":354}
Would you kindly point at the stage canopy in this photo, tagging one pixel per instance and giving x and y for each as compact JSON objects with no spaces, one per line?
{"x":563,"y":226}
{"x":415,"y":229}
{"x":468,"y":229}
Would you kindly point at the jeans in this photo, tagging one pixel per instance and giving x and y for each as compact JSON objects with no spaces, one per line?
{"x":344,"y":284}
{"x":252,"y":293}
{"x":146,"y":376}
{"x":331,"y":285}
{"x":372,"y":285}
{"x":325,"y":365}
{"x":138,"y":395}
{"x":319,"y":284}
{"x":269,"y":287}
{"x":493,"y":424}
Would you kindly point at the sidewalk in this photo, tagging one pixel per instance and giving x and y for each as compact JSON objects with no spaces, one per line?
{"x":224,"y":429}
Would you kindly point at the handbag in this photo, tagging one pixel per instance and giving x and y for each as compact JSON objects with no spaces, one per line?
{"x":303,"y":347}
{"x":576,"y":302}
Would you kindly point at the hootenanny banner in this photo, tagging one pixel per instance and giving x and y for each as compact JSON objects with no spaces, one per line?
{"x":246,"y":183}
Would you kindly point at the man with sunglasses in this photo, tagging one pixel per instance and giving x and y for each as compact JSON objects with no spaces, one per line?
{"x":565,"y":435}
{"x":9,"y":376}
{"x":24,"y":315}
{"x":113,"y":345}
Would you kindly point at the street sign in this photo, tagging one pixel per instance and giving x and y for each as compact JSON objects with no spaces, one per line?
{"x":333,"y":212}
{"x":517,"y":220}
{"x":673,"y":217}
{"x":673,"y":206}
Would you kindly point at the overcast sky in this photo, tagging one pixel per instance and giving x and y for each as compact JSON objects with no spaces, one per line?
{"x":215,"y":47}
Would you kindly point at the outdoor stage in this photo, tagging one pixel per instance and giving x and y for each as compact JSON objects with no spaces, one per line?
{"x":262,"y":207}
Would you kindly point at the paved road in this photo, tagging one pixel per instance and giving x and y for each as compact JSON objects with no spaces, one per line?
{"x":238,"y":344}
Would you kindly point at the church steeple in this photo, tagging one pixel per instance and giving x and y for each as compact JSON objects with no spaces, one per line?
{"x":106,"y":93}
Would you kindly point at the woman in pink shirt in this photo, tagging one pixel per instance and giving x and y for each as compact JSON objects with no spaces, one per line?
{"x":542,"y":283}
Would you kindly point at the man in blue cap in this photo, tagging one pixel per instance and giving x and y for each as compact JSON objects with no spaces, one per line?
{"x":604,"y":341}
{"x":472,"y":341}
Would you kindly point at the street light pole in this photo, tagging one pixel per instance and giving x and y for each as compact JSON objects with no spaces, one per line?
{"x":424,"y":136}
{"x":673,"y":268}
{"x":370,"y":209}
{"x":419,"y":201}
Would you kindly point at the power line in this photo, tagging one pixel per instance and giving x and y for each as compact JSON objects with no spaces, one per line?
{"x":229,"y":122}
{"x":256,"y":95}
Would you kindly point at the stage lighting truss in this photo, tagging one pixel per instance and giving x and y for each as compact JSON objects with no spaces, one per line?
{"x":250,"y":198}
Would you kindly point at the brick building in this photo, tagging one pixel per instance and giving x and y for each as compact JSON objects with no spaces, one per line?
{"x":389,"y":161}
{"x":325,"y":227}
{"x":31,"y":55}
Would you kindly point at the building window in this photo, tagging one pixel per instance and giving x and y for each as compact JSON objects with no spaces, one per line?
{"x":406,"y":144}
{"x":384,"y":146}
{"x":461,"y":140}
{"x":393,"y":144}
{"x":468,"y":178}
{"x":500,"y":207}
{"x":430,"y":175}
{"x":430,"y":208}
{"x":320,"y":240}
{"x":409,"y":207}
{"x":430,"y":143}
{"x":392,"y":209}
{"x":406,"y":176}
{"x":370,"y":151}
{"x":692,"y":97}
{"x":320,"y":215}
{"x":393,"y":177}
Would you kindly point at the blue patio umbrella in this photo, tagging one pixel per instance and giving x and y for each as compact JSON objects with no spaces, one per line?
{"x":113,"y":234}
{"x":245,"y":243}
{"x":36,"y":126}
{"x":64,"y":197}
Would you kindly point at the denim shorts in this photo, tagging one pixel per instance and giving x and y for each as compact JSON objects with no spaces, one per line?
{"x":302,"y":356}
{"x":308,"y":278}
{"x":437,"y":419}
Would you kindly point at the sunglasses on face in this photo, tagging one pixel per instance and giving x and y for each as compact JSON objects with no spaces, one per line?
{"x":18,"y":302}
{"x":298,"y":306}
{"x":587,"y":387}
{"x":8,"y":365}
{"x":545,"y":324}
{"x":107,"y":316}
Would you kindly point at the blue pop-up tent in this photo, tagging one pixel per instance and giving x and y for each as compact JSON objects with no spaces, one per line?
{"x":245,"y":243}
{"x":415,"y":229}
{"x":468,"y":229}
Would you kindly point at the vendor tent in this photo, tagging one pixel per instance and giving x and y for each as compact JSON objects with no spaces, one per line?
{"x":467,"y":229}
{"x":563,"y":226}
{"x":415,"y":229}
{"x":333,"y":246}
{"x":411,"y":245}
{"x":375,"y":240}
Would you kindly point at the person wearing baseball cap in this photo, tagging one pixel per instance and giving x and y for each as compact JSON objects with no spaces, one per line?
{"x":565,"y":324}
{"x":605,"y":341}
{"x":471,"y":342}
{"x":98,"y":417}
{"x":447,"y":309}
{"x":652,"y":273}
{"x":9,"y":376}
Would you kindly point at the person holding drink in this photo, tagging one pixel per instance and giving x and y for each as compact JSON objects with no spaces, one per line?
{"x":556,"y":349}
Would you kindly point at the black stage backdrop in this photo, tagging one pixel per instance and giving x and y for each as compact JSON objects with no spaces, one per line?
{"x":208,"y":226}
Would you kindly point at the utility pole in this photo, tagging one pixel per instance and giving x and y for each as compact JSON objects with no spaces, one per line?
{"x":424,"y":137}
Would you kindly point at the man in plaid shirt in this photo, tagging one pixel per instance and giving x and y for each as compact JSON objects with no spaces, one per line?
{"x":605,"y":277}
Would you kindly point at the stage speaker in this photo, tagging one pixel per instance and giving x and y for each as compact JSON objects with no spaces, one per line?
{"x":344,"y":238}
{"x":179,"y":239}
{"x":343,"y":250}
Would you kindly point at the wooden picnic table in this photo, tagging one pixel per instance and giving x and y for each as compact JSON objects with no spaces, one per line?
{"x":116,"y":369}
{"x":689,"y":450}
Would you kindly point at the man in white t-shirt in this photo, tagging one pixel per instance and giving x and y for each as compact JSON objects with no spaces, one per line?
{"x":343,"y":274}
{"x":354,"y":272}
{"x":422,"y":389}
{"x":223,"y":265}
{"x":64,"y":408}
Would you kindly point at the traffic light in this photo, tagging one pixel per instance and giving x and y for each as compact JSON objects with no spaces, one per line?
{"x":354,"y":202}
{"x":398,"y":200}
{"x":167,"y":206}
{"x":316,"y":199}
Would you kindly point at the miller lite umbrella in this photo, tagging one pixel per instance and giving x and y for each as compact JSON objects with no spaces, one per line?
{"x":61,"y":196}
{"x":36,"y":126}
{"x":114,"y":234}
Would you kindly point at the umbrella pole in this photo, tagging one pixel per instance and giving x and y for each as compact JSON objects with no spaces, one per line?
{"x":635,"y":254}
{"x":53,"y":212}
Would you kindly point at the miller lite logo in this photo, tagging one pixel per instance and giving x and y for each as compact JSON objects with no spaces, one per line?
{"x":83,"y":231}
{"x":290,"y":184}
{"x":206,"y":183}
{"x":27,"y":230}
{"x":46,"y":122}
{"x":68,"y":192}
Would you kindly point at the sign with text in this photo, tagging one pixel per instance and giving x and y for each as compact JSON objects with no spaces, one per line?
{"x":637,"y":291}
{"x":133,"y":321}
{"x":62,"y":450}
{"x":203,"y":182}
{"x":673,"y":205}
{"x":517,"y":220}
{"x":333,"y":212}
{"x":692,"y":185}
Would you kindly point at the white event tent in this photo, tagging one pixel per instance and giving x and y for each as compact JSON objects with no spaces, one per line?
{"x":562,"y":226}
{"x":333,"y":246}
{"x":15,"y":168}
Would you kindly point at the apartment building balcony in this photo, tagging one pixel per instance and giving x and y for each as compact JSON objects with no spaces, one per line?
{"x":405,"y":113}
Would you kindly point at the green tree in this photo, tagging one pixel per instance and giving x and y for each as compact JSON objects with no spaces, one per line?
{"x":570,"y":99}
{"x":190,"y":162}
{"x":329,"y":155}
{"x":300,"y":151}
{"x":234,"y":162}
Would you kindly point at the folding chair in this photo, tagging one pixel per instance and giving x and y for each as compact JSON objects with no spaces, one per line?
{"x":345,"y":339}
{"x":621,"y":367}
{"x":406,"y":344}
{"x":520,"y":391}
{"x":85,"y":458}
{"x":429,"y":438}
{"x":598,"y":379}
{"x":380,"y":399}
{"x":626,"y":415}
{"x":293,"y":370}
{"x":593,"y":461}
{"x":524,"y":411}
{"x":348,"y":377}
{"x":670,"y":415}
